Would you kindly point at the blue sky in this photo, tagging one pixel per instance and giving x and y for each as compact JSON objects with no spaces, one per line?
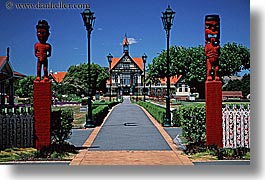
{"x":139,"y":19}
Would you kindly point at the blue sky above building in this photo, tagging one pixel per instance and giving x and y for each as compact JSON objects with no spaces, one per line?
{"x":139,"y":19}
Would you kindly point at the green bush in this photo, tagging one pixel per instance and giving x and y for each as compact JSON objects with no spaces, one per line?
{"x":99,"y":113}
{"x":157,"y":112}
{"x":112,"y":103}
{"x":61,"y":125}
{"x":100,"y":110}
{"x":192,"y":120}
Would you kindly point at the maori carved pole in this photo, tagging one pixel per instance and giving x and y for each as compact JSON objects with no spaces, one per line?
{"x":213,"y":84}
{"x":42,"y":88}
{"x":42,"y":49}
{"x":212,"y":45}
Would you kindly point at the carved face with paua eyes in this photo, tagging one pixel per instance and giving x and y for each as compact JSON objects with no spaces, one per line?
{"x":212,"y":45}
{"x":212,"y":36}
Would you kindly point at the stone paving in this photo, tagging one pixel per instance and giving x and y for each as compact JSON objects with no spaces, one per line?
{"x":130,"y":136}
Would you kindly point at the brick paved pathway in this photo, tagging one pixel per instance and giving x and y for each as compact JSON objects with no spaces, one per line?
{"x":130,"y":136}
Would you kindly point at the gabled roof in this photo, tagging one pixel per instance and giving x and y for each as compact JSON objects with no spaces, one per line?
{"x":18,"y":74}
{"x":58,"y":76}
{"x":137,"y":61}
{"x":114,"y":62}
{"x":2,"y":61}
{"x":5,"y":66}
{"x":173,"y":79}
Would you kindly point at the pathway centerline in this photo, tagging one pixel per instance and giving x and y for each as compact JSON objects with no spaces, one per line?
{"x":128,"y":128}
{"x":129,"y":136}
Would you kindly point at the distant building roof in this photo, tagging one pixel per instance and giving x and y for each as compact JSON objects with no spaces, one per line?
{"x":4,"y":63}
{"x":137,"y":61}
{"x":232,"y":94}
{"x":58,"y":76}
{"x":17,"y":74}
{"x":173,"y":79}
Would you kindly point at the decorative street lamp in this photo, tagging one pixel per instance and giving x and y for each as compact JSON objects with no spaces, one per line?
{"x":110,"y":79}
{"x":89,"y":20}
{"x":167,"y":20}
{"x":144,"y":57}
{"x":117,"y":85}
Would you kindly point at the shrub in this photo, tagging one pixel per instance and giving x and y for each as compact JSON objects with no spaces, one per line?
{"x":61,"y":125}
{"x":99,"y":113}
{"x":156,"y":111}
{"x":112,"y":103}
{"x":192,"y":120}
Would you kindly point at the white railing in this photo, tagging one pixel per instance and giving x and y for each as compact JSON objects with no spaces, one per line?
{"x":236,"y":126}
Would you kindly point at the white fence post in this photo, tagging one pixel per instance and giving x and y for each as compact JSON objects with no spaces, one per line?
{"x":236,"y":126}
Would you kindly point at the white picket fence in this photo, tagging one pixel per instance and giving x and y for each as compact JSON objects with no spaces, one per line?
{"x":236,"y":126}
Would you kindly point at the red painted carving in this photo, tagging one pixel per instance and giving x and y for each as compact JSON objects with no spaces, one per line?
{"x":212,"y":45}
{"x":42,"y":49}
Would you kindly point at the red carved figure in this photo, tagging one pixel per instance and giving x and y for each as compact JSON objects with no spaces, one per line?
{"x":42,"y":49}
{"x":212,"y":47}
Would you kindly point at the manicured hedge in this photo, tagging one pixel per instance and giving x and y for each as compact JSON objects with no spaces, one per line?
{"x":192,"y":120}
{"x":157,"y":112}
{"x":99,"y":113}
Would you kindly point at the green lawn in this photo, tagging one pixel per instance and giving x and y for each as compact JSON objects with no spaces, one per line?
{"x":14,"y":154}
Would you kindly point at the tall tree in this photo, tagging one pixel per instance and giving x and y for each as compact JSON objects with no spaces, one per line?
{"x":233,"y":59}
{"x":24,"y":87}
{"x":239,"y":85}
{"x":191,"y":63}
{"x":76,"y":79}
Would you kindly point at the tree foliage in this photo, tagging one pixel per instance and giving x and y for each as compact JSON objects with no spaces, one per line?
{"x":74,"y":84}
{"x":233,"y":58}
{"x":24,"y":87}
{"x":239,"y":85}
{"x":76,"y":79}
{"x":191,"y":63}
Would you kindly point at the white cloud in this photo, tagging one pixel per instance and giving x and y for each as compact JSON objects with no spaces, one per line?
{"x":100,"y":29}
{"x":132,"y":40}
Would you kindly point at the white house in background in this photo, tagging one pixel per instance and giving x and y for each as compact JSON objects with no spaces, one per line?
{"x":178,"y":89}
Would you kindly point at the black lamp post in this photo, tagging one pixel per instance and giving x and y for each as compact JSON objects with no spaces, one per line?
{"x":144,"y":57}
{"x":110,"y":79}
{"x":117,"y":86}
{"x":167,"y":20}
{"x":89,"y":19}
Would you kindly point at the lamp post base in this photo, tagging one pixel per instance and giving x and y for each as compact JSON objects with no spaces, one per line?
{"x":89,"y":123}
{"x":167,"y":123}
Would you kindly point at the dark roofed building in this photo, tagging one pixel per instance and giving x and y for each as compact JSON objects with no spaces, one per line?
{"x":232,"y":95}
{"x":7,"y":78}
